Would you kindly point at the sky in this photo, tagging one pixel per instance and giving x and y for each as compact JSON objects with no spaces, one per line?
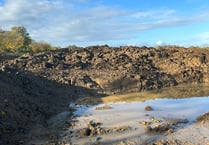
{"x":112,"y":22}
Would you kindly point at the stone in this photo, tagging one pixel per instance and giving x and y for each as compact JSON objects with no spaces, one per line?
{"x":148,"y":108}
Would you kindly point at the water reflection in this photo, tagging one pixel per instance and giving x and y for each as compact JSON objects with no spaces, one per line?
{"x":181,"y":102}
{"x":132,"y":113}
{"x":188,"y":108}
{"x":178,"y":108}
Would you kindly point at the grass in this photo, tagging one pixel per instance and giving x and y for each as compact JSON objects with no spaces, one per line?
{"x":180,"y":91}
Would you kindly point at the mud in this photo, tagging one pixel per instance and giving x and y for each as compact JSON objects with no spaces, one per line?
{"x":203,"y":118}
{"x":162,"y":126}
{"x":104,"y":107}
{"x":148,"y":108}
{"x":95,"y":128}
{"x":167,"y":142}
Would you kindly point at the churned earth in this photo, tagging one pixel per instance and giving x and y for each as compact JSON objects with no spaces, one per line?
{"x":36,"y":90}
{"x":111,"y":70}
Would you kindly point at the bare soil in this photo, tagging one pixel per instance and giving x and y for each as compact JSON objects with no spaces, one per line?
{"x":35,"y":88}
{"x":203,"y":118}
{"x":27,"y":102}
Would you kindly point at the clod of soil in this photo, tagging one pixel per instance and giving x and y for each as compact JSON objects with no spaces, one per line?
{"x":204,"y":117}
{"x":167,"y":126}
{"x":148,"y":108}
{"x":105,"y":107}
{"x":94,"y":129}
{"x":176,"y":121}
{"x":159,"y":128}
{"x":167,"y":142}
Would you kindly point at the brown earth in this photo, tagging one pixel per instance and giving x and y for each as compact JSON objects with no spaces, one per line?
{"x":203,"y":118}
{"x":34,"y":87}
{"x":113,"y":70}
{"x":94,"y":129}
{"x":27,"y":102}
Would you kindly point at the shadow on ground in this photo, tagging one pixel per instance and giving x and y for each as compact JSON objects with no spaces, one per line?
{"x":27,"y":101}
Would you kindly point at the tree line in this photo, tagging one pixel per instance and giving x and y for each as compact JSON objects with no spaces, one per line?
{"x":18,"y":40}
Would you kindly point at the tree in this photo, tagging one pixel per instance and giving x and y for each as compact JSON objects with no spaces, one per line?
{"x":40,"y":46}
{"x":20,"y":30}
{"x":1,"y":30}
{"x":71,"y":47}
{"x":1,"y":42}
{"x":13,"y":42}
{"x":18,"y":40}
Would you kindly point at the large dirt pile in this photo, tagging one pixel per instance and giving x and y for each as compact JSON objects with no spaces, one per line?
{"x":124,"y":69}
{"x":35,"y":87}
{"x":28,"y":101}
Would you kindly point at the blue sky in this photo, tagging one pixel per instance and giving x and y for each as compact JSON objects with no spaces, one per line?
{"x":112,"y":22}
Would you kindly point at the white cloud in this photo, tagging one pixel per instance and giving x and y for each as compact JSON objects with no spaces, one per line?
{"x":159,"y":43}
{"x":154,"y":14}
{"x":30,"y":13}
{"x":62,"y":22}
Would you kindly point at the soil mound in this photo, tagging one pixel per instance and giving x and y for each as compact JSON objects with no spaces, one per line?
{"x":122,"y":69}
{"x":35,"y":87}
{"x":27,"y":102}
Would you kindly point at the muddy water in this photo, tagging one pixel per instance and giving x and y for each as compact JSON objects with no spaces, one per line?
{"x":130,"y":114}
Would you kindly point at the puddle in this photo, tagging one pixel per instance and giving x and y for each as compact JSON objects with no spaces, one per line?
{"x":170,"y":108}
{"x":130,"y":114}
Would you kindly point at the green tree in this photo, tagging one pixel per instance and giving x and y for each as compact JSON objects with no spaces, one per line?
{"x":19,"y":40}
{"x":20,"y":30}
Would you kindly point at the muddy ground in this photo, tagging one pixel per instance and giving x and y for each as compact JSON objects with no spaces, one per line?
{"x":148,"y":130}
{"x":25,"y":119}
{"x":35,"y":88}
{"x":28,"y":102}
